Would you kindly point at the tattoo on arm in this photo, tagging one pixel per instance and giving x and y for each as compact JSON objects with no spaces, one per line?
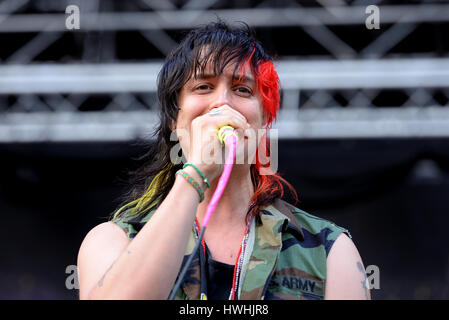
{"x":100,"y":283}
{"x":365,"y":279}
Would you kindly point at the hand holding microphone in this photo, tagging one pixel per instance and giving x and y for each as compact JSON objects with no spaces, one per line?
{"x":208,"y":134}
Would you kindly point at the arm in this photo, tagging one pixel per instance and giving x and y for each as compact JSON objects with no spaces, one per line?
{"x":346,"y":277}
{"x":111,"y":267}
{"x":107,"y":238}
{"x":146,"y":268}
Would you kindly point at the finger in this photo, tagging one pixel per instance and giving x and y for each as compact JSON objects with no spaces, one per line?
{"x":226,"y":118}
{"x":226,"y":108}
{"x":236,"y":120}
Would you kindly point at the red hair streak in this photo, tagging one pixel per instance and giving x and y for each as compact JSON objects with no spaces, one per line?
{"x":268,"y":84}
{"x":268,"y":186}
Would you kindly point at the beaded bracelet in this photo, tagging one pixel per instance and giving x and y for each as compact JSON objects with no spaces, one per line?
{"x":199,"y":172}
{"x":192,"y":181}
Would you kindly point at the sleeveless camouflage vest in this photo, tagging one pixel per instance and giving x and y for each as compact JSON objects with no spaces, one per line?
{"x":286,"y":260}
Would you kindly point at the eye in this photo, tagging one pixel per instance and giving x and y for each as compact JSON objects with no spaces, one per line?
{"x":203,"y":87}
{"x":245,"y":91}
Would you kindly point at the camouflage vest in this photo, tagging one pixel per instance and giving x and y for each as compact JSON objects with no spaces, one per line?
{"x":287,"y":260}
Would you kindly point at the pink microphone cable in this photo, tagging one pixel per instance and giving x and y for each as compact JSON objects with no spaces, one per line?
{"x":228,"y":137}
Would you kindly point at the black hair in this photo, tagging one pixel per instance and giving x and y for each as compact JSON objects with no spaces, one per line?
{"x":216,"y":44}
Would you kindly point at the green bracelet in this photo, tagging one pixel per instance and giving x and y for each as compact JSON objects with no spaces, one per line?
{"x":199,"y":172}
{"x":192,"y":181}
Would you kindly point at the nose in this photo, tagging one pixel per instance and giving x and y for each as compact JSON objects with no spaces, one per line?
{"x":221,"y":97}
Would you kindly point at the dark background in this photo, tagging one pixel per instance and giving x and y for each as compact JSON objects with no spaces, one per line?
{"x":392,"y":194}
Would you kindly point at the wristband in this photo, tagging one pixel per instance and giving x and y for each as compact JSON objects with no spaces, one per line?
{"x":199,"y":172}
{"x":192,"y":181}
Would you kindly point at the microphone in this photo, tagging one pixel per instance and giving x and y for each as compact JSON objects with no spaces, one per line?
{"x":224,"y":132}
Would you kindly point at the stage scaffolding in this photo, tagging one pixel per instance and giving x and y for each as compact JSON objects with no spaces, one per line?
{"x":340,"y":92}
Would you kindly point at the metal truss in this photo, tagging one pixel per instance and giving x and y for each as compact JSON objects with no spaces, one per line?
{"x":153,"y":19}
{"x":329,"y":123}
{"x":334,"y":95}
{"x":294,"y":75}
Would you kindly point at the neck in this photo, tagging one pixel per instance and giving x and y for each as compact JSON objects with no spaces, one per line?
{"x":234,"y":203}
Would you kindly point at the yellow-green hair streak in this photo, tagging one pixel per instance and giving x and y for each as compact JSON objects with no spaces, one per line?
{"x":147,"y":201}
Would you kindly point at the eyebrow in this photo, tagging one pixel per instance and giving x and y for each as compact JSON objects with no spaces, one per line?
{"x":237,"y":77}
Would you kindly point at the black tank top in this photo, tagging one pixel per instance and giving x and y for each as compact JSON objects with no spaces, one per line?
{"x":219,"y":278}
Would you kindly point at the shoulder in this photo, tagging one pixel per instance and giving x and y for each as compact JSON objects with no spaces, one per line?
{"x":316,"y":230}
{"x":345,"y":269}
{"x":101,"y":246}
{"x":107,"y":237}
{"x":106,"y":231}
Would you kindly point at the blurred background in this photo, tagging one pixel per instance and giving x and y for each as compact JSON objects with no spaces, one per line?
{"x":363,"y":127}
